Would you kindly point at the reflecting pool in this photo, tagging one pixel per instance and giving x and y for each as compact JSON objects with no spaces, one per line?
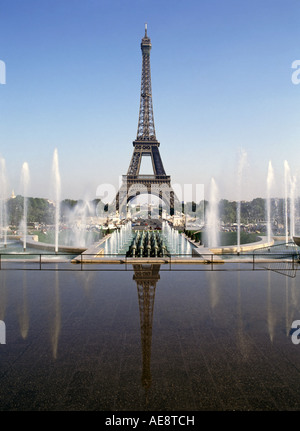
{"x":147,"y":338}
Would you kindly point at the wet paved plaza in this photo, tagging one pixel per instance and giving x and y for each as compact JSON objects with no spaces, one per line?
{"x":149,"y":339}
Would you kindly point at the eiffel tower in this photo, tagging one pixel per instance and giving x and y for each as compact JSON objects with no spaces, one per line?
{"x":145,"y":145}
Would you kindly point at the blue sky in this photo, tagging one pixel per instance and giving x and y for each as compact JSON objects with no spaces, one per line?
{"x":221,"y":84}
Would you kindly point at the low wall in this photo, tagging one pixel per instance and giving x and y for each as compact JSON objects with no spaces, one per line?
{"x":243,"y":247}
{"x":31,"y":242}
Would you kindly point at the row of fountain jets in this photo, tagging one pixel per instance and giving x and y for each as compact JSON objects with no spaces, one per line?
{"x":212,"y":219}
{"x":176,"y":244}
{"x":125,"y":239}
{"x":25,"y":178}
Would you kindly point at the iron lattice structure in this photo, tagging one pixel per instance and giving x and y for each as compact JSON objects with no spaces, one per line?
{"x":145,"y":145}
{"x":146,"y":129}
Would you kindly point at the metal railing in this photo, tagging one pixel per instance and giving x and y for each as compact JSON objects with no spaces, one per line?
{"x":286,"y":264}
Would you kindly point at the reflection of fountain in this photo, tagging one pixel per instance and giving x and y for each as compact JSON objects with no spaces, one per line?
{"x":57,"y":316}
{"x":243,"y":344}
{"x":270,"y":179}
{"x":288,"y":320}
{"x":212,"y":219}
{"x":57,"y":190}
{"x":270,"y":310}
{"x":25,"y":183}
{"x":214,"y":288}
{"x":292,"y":301}
{"x":146,"y":277}
{"x":24,"y":315}
{"x":3,"y":212}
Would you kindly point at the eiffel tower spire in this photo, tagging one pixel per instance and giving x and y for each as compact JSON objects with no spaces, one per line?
{"x":146,"y":129}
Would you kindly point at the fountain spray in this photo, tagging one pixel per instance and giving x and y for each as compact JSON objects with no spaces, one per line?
{"x":270,"y":179}
{"x":57,"y":192}
{"x":212,"y":221}
{"x":242,"y":162}
{"x":3,"y":209}
{"x":25,"y":183}
{"x":286,"y":184}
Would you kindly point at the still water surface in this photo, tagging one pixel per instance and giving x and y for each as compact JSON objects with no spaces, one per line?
{"x":149,"y":339}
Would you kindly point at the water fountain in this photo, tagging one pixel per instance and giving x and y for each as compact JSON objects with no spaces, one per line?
{"x":77,"y":232}
{"x":270,"y":179}
{"x":57,"y":192}
{"x":78,"y":225}
{"x":212,"y":219}
{"x":292,"y":205}
{"x":147,"y":243}
{"x":25,"y":184}
{"x":176,"y":243}
{"x":119,"y":241}
{"x":289,"y":202}
{"x":241,"y":164}
{"x":286,"y":190}
{"x":3,"y":209}
{"x":168,"y":237}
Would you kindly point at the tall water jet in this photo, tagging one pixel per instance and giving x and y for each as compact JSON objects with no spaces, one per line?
{"x":292,"y":205}
{"x":57,"y":193}
{"x":212,"y":219}
{"x":25,"y":184}
{"x":270,"y":179}
{"x":3,"y":209}
{"x":241,"y":164}
{"x":76,"y":219}
{"x":286,"y":193}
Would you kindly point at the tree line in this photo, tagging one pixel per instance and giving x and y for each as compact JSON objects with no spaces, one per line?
{"x":41,"y":210}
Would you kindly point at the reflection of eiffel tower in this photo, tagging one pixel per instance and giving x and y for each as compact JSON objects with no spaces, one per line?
{"x":145,"y":145}
{"x":146,"y":277}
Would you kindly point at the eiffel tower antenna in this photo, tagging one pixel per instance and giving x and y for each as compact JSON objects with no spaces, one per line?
{"x":146,"y":129}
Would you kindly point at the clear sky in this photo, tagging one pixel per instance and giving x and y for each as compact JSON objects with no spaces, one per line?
{"x":221,"y":84}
